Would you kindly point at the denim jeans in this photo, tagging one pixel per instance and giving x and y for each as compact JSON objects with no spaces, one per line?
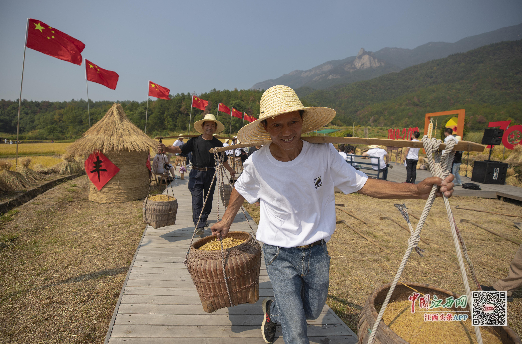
{"x":199,"y":186}
{"x":300,"y":279}
{"x":455,"y":170}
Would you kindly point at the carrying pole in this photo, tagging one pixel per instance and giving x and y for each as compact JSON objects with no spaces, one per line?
{"x":20,"y":99}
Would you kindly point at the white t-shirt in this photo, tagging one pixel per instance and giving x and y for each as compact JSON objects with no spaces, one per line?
{"x":377,"y":153}
{"x":297,"y":202}
{"x":177,"y":143}
{"x":158,"y":163}
{"x":343,"y":154}
{"x":413,"y":153}
{"x":449,"y":137}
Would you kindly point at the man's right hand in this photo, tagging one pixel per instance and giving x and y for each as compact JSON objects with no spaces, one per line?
{"x":220,"y":229}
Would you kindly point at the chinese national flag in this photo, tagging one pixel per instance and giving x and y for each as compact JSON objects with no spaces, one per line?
{"x":223,"y":108}
{"x":45,"y":39}
{"x":199,"y":103}
{"x":158,"y":91}
{"x":250,"y":118}
{"x":101,"y":76}
{"x":100,"y":169}
{"x":237,"y":114}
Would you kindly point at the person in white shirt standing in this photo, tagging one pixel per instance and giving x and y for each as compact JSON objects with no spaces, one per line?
{"x":294,"y":182}
{"x":342,"y":153}
{"x":412,"y":158}
{"x":379,"y":159}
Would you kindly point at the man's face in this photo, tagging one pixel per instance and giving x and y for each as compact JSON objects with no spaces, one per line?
{"x":209,"y":128}
{"x":285,"y":130}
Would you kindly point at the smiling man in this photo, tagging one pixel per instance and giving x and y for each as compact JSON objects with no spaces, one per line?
{"x":294,"y":181}
{"x":203,"y":167}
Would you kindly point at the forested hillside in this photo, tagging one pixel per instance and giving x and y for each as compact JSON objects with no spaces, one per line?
{"x":487,"y":82}
{"x":69,"y":120}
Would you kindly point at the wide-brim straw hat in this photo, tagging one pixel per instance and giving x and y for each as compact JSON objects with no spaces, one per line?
{"x":278,"y":100}
{"x":208,"y":118}
{"x":374,"y":146}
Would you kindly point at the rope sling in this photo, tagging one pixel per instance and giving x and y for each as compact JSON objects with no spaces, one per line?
{"x":219,"y":178}
{"x":440,"y":163}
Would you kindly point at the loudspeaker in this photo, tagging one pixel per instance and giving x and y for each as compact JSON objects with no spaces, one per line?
{"x":492,"y":136}
{"x":489,"y":172}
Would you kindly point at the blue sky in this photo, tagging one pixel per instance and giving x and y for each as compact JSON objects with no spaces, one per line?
{"x":196,"y":46}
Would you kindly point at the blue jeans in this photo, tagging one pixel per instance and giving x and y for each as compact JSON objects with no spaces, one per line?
{"x":455,"y":171}
{"x":300,"y":279}
{"x":199,"y":186}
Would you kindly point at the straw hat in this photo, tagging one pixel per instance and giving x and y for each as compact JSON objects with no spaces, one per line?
{"x":278,"y":100}
{"x":373,"y":146}
{"x":208,"y":118}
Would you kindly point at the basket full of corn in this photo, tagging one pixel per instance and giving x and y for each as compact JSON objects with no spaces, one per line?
{"x":241,"y":256}
{"x":410,"y":317}
{"x":160,"y":210}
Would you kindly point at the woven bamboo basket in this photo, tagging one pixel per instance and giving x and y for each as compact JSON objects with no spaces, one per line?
{"x":401,"y":293}
{"x":224,"y":193}
{"x":129,"y":184}
{"x":242,"y":267}
{"x":160,"y":214}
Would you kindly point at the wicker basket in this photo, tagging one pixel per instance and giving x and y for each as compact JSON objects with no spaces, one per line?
{"x":386,"y":335}
{"x":242,"y":267}
{"x":225,"y":192}
{"x":160,"y":214}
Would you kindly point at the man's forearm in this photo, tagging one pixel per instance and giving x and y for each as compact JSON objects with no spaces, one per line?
{"x":384,"y":189}
{"x":172,"y":149}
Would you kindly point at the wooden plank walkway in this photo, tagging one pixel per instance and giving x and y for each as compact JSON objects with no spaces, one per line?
{"x":159,"y":303}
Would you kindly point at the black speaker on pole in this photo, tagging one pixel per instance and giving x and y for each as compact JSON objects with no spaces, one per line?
{"x":489,"y":172}
{"x":492,"y":136}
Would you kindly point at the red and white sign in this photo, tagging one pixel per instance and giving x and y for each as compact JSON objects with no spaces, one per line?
{"x":100,"y":169}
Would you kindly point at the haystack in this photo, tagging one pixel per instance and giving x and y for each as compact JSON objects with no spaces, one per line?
{"x":127,"y":147}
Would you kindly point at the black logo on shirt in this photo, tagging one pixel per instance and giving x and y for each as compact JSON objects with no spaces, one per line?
{"x":318,"y":182}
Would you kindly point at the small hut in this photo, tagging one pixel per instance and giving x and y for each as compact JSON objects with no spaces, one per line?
{"x":127,"y":147}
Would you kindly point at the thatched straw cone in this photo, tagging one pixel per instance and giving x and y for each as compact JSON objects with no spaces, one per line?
{"x":127,"y":147}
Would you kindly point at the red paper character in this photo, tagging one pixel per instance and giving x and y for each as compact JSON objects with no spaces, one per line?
{"x":100,"y":169}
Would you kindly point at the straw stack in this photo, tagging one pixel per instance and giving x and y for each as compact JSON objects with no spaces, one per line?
{"x":127,"y":147}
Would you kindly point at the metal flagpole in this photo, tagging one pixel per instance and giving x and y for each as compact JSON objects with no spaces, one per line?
{"x":190,"y":121}
{"x":231,"y":121}
{"x":20,"y":99}
{"x":146,"y":114}
{"x":87,"y":86}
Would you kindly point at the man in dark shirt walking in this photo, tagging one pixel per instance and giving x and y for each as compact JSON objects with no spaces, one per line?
{"x":203,"y":167}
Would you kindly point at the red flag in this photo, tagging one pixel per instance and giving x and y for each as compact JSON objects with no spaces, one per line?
{"x":158,"y":91}
{"x":223,"y":108}
{"x":100,"y":169}
{"x":237,"y":114}
{"x":102,"y":76}
{"x":250,"y":118}
{"x":45,"y":39}
{"x":199,"y":103}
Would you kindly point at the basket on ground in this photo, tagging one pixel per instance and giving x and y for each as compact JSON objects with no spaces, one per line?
{"x":385,"y":334}
{"x":242,"y":267}
{"x":160,"y":213}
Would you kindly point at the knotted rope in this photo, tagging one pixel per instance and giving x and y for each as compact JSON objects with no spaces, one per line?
{"x":440,"y":165}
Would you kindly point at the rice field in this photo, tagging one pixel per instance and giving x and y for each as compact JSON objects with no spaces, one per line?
{"x":44,"y":148}
{"x":42,"y":160}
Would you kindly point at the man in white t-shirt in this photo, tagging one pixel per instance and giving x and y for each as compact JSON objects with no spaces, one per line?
{"x":412,"y":157}
{"x":294,"y":182}
{"x":448,"y":132}
{"x":379,"y":159}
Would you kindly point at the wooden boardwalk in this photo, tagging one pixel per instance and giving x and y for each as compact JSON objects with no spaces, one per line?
{"x":159,"y":303}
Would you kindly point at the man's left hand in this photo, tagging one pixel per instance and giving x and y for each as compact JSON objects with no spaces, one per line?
{"x":445,"y":187}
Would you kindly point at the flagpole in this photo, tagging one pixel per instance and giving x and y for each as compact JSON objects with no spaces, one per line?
{"x":87,"y":86}
{"x":20,"y":99}
{"x":146,"y":113}
{"x":190,"y":121}
{"x":230,"y":132}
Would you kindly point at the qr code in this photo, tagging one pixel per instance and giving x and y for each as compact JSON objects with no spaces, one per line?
{"x":489,"y":308}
